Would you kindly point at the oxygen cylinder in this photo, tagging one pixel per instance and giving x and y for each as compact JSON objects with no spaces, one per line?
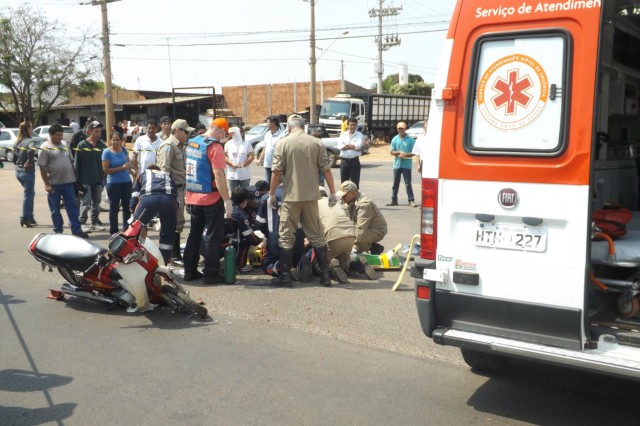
{"x":230,"y":264}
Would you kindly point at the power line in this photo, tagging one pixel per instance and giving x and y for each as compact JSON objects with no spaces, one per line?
{"x":261,"y":33}
{"x":271,"y":41}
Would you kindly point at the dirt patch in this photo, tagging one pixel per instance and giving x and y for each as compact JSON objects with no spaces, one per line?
{"x":378,"y":151}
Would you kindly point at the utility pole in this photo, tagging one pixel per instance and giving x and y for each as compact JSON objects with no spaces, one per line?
{"x":106,"y":65}
{"x":312,"y":65}
{"x":389,"y":41}
{"x":342,"y":83}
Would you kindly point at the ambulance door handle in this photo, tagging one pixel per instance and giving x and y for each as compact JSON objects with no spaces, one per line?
{"x":552,"y":92}
{"x":485,"y":217}
{"x":532,"y":221}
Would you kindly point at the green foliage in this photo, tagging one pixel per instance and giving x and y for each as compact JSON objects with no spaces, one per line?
{"x":391,"y":81}
{"x":89,"y":87}
{"x":39,"y":62}
{"x":422,"y":89}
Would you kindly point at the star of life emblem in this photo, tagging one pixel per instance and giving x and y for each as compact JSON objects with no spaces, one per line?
{"x":512,"y":92}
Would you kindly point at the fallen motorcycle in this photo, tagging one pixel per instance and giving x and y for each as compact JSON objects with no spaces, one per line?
{"x":127,"y":274}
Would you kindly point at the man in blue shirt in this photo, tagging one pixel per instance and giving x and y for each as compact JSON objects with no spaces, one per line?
{"x":401,"y":149}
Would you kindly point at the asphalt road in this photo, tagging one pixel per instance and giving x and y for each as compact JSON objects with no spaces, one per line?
{"x":350,"y":354}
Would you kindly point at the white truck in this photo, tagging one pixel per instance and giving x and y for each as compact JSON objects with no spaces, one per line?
{"x":378,"y":113}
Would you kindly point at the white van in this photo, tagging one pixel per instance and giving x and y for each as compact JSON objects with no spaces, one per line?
{"x":533,"y":126}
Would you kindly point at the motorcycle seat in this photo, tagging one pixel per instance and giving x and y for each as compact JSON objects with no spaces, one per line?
{"x":68,"y":251}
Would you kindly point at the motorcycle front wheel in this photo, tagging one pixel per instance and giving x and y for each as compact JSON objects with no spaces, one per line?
{"x":182,"y":300}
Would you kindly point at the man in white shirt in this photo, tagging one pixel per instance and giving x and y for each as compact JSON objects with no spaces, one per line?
{"x":144,"y":149}
{"x":270,"y":139}
{"x":350,"y":145}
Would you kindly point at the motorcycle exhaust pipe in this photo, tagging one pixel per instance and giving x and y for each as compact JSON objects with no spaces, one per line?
{"x":72,"y":290}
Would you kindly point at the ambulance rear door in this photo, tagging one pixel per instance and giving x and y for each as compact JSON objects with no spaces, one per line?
{"x":513,"y":176}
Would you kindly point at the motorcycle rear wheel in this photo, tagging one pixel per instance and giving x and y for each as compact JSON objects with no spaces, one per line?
{"x":183,"y":301}
{"x":70,"y":276}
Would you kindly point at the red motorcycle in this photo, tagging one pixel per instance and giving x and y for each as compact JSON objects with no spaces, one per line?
{"x":128,"y":273}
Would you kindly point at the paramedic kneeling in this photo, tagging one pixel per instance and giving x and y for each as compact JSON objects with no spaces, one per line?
{"x":371,"y":226}
{"x":155,"y":192}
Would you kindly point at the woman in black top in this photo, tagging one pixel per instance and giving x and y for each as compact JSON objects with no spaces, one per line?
{"x":24,"y":159}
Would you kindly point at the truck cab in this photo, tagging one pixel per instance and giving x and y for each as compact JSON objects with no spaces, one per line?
{"x":342,"y":104}
{"x":532,"y":133}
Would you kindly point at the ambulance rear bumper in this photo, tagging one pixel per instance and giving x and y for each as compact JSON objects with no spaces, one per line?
{"x":614,"y":360}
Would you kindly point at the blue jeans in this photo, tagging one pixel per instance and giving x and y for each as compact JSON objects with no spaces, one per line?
{"x":27,"y":179}
{"x":67,"y":193}
{"x":91,"y":200}
{"x":397,"y":174}
{"x":119,"y":194}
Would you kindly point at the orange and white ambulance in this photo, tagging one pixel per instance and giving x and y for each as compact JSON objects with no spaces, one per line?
{"x":534,"y":125}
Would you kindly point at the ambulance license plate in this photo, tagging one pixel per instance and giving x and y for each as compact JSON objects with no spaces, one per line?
{"x":512,"y":237}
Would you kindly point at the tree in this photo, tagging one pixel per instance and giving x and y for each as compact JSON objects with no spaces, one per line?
{"x":39,"y":62}
{"x":394,"y":79}
{"x":89,"y":87}
{"x":422,"y":89}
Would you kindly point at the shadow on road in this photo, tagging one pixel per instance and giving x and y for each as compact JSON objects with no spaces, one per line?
{"x":12,"y":380}
{"x":36,"y":416}
{"x":522,"y":392}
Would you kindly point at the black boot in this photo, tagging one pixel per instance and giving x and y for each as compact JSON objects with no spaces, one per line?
{"x":176,"y":255}
{"x":284,"y":278}
{"x":323,"y":263}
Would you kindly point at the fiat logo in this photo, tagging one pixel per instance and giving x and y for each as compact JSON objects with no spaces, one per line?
{"x":508,"y":198}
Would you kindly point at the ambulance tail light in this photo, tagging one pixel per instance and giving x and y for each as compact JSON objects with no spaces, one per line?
{"x":428,"y":221}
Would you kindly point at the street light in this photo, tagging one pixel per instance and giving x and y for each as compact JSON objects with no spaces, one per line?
{"x":331,"y":44}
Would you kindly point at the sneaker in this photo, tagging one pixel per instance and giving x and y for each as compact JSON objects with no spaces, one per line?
{"x":246,"y":268}
{"x":393,"y":203}
{"x":86,"y":229}
{"x":81,"y":234}
{"x":305,"y":269}
{"x":192,"y":276}
{"x":96,"y":228}
{"x":337,"y":273}
{"x":412,"y":204}
{"x":99,"y":222}
{"x":367,"y":269}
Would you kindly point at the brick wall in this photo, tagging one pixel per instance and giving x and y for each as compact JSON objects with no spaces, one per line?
{"x":256,"y":102}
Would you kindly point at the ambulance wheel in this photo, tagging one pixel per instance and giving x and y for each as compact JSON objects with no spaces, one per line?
{"x":483,"y":361}
{"x":629,"y":308}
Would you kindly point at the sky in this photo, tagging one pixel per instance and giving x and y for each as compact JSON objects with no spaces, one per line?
{"x":160,"y":44}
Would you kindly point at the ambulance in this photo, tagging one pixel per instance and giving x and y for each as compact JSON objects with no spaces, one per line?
{"x":533,"y":128}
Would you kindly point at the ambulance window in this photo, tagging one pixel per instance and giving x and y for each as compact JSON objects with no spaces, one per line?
{"x":520,"y":101}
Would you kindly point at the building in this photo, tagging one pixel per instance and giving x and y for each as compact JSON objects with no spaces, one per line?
{"x":246,"y":104}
